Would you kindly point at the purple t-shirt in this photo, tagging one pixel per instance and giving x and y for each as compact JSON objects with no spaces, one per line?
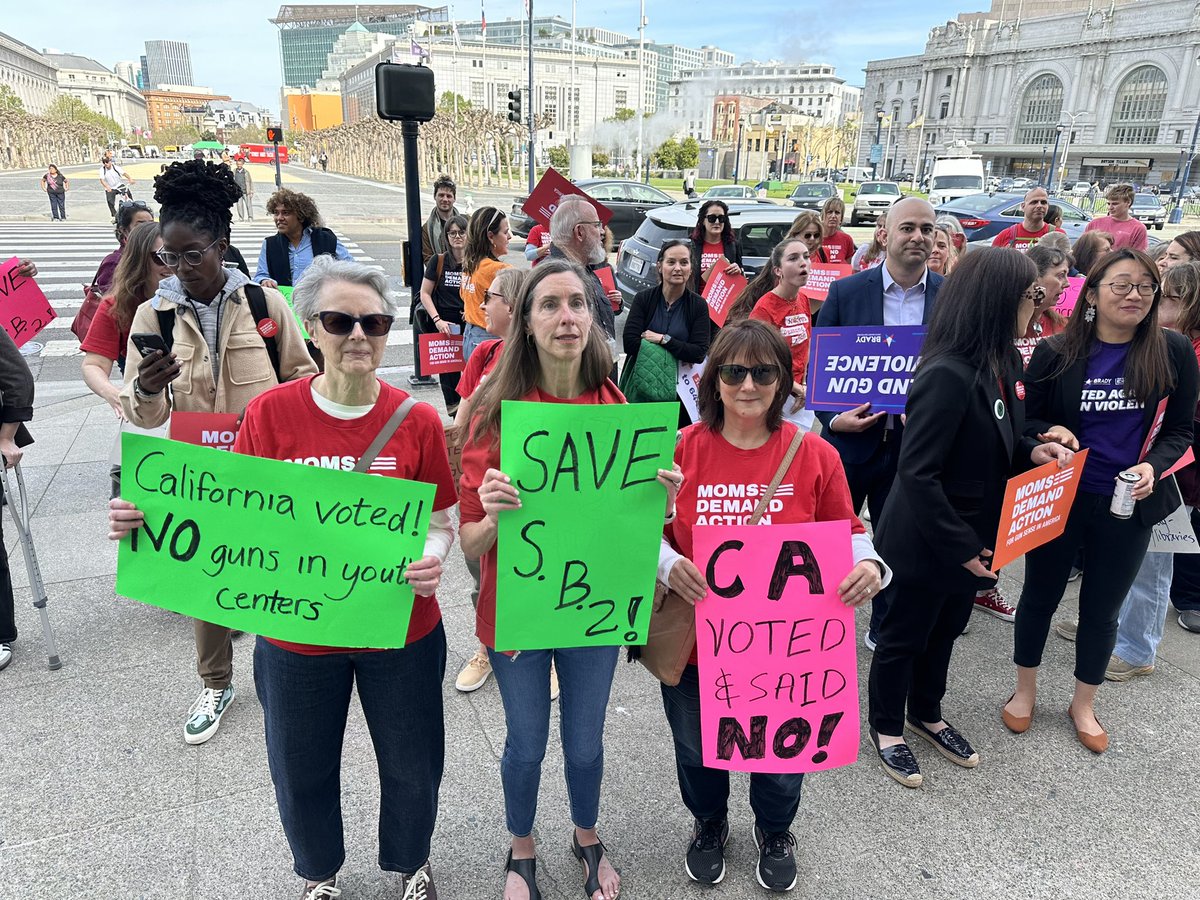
{"x":1110,"y":423}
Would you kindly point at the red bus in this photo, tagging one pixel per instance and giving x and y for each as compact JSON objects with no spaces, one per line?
{"x":263,"y":153}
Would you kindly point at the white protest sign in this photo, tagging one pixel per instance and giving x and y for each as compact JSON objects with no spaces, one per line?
{"x":1174,"y":534}
{"x":688,"y":387}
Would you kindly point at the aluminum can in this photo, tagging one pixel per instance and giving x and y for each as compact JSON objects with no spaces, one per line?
{"x":1122,"y":500}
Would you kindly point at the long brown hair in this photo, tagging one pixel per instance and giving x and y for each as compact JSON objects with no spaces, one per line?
{"x":764,"y":281}
{"x":1091,"y":246}
{"x":484,"y":223}
{"x":754,"y":343}
{"x":519,"y":368}
{"x":128,"y":288}
{"x":1148,"y":371}
{"x":1183,"y":279}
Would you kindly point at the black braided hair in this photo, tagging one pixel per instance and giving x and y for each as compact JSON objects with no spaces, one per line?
{"x":198,"y":194}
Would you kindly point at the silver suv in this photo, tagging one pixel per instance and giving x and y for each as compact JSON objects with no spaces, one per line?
{"x":873,"y":198}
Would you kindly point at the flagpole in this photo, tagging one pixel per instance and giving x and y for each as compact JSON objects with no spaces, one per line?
{"x":532,"y":129}
{"x":571,"y":107}
{"x":641,"y":85}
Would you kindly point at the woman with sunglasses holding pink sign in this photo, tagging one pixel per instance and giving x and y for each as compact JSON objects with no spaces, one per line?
{"x":714,"y":248}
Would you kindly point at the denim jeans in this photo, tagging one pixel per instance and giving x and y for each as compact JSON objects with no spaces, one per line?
{"x":773,"y":797}
{"x":585,"y":677}
{"x":1144,"y":612}
{"x":473,"y":336}
{"x":305,"y":700}
{"x":1185,"y":584}
{"x":58,"y":206}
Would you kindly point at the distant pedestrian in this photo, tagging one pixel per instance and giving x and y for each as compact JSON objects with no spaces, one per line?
{"x":113,"y":177}
{"x":56,"y":185}
{"x":245,"y":204}
{"x":312,"y":161}
{"x":324,"y":161}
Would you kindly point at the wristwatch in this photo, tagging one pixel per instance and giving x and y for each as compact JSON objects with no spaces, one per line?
{"x":666,"y":339}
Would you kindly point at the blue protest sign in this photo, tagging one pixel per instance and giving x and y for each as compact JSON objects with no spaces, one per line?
{"x":852,"y":366}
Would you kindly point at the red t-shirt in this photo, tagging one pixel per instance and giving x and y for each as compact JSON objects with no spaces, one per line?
{"x":1033,"y":336}
{"x":1016,"y":237}
{"x":838,"y":247}
{"x":539,"y":236}
{"x":479,"y":366}
{"x":792,"y":318}
{"x":722,"y":484}
{"x":1127,"y":233}
{"x":103,"y":335}
{"x":479,"y":456}
{"x":709,"y":255}
{"x":286,"y":423}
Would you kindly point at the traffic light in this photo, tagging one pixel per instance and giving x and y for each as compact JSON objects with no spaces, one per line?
{"x":274,"y":134}
{"x":514,"y":106}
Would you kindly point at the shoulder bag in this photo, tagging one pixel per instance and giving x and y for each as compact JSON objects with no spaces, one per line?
{"x":653,"y":376}
{"x":673,"y":620}
{"x":385,"y":434}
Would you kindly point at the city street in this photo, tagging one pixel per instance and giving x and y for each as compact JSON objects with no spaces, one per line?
{"x":101,"y":798}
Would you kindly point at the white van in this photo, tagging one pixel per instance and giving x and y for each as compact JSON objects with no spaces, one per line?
{"x":858,"y":174}
{"x":954,"y":177}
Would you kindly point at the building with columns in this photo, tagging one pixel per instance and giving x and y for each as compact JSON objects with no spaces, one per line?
{"x":100,"y":89}
{"x":29,"y":73}
{"x":1121,"y":78}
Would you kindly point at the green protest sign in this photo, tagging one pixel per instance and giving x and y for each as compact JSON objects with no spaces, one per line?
{"x":286,"y":290}
{"x":293,"y":552}
{"x":577,"y":562}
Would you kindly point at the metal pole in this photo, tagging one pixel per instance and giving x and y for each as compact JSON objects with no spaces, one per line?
{"x":1042,"y":166}
{"x":1053,"y":160}
{"x":532,"y":130}
{"x":641,"y":83}
{"x":878,"y":129}
{"x":412,"y":205}
{"x":737,"y":155}
{"x":1177,"y":212}
{"x":278,"y":177}
{"x":571,"y":106}
{"x":1066,"y":150}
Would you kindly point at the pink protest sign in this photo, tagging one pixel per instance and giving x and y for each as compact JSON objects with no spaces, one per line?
{"x":776,"y":649}
{"x":1069,"y":297}
{"x":24,"y":309}
{"x":822,"y":275}
{"x":720,"y":292}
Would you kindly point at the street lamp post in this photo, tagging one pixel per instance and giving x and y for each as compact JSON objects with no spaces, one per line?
{"x":1042,"y":166}
{"x":1177,"y":212}
{"x":1058,"y":130}
{"x":878,"y":129}
{"x":737,"y":156}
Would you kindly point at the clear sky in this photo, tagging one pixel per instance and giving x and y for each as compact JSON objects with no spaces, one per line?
{"x":235,"y":50}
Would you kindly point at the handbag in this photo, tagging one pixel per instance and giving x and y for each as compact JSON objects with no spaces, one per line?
{"x":653,"y":376}
{"x":672,"y":632}
{"x":83,"y":319}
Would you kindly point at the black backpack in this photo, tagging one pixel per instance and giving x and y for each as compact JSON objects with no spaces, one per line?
{"x":258,"y":308}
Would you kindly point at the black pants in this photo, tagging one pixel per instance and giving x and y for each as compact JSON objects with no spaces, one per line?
{"x":773,"y":797}
{"x":8,"y":619}
{"x":58,"y":206}
{"x":111,"y":197}
{"x":871,"y":482}
{"x":912,"y":656}
{"x":1112,"y":554}
{"x":1185,"y":584}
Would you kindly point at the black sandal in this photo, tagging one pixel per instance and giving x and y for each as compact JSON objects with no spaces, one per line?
{"x":590,"y":856}
{"x":527,"y":869}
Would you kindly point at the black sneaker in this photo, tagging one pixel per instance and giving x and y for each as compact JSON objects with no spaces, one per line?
{"x":706,"y":855}
{"x":776,"y":860}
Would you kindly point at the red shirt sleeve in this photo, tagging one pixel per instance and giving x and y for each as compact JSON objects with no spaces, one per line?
{"x":431,"y":447}
{"x":1004,"y":238}
{"x":103,"y":336}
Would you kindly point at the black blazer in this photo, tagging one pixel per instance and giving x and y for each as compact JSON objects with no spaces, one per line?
{"x":695,"y":313}
{"x":1054,"y":400}
{"x":858,"y":300}
{"x":733,"y":253}
{"x":957,"y":455}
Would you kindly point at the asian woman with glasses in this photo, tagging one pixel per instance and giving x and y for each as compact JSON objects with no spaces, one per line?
{"x":1113,"y":378}
{"x":714,"y":247}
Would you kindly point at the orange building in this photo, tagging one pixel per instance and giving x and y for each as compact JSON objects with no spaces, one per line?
{"x":174,"y":108}
{"x":307,"y":110}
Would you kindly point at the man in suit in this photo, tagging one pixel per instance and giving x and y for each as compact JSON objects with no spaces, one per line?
{"x":899,"y":292}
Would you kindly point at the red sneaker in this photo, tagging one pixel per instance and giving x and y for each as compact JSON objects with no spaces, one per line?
{"x":992,"y":601}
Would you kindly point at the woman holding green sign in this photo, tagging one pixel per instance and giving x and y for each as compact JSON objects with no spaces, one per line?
{"x":555,"y":352}
{"x":348,"y":414}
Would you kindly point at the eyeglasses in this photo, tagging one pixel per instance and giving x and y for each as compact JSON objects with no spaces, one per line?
{"x":734,"y":375}
{"x":596,"y":224}
{"x":171,"y":259}
{"x":456,"y":234}
{"x":492,"y":295}
{"x":1122,"y":288}
{"x":340,"y":323}
{"x":713,"y":220}
{"x":137,"y":204}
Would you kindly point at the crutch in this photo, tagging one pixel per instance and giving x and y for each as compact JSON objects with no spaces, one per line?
{"x":21,"y":518}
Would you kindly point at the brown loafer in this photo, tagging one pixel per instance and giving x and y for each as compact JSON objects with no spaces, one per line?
{"x":1097,"y":743}
{"x":1015,"y":724}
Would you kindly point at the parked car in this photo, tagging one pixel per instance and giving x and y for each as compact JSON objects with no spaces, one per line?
{"x":628,"y":200}
{"x":730,"y":192}
{"x":1023,"y":184}
{"x":872,"y":198}
{"x":983,"y":216}
{"x":813,"y":194}
{"x":1149,"y":211}
{"x":1081,"y":188}
{"x":757,"y":226}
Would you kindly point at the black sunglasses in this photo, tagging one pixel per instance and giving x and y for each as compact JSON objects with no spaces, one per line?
{"x":734,"y":375}
{"x":714,"y":219}
{"x":340,"y":323}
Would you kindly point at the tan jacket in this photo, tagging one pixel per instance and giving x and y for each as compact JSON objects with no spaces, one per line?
{"x":245,"y":366}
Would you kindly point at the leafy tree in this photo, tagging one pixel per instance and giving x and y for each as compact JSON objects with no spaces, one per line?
{"x":446,"y":103}
{"x":689,"y":154}
{"x":560,"y":157}
{"x":600,"y":159}
{"x":9,"y":101}
{"x":621,"y":115}
{"x":208,"y":135}
{"x":245,"y":135}
{"x":176,"y":135}
{"x":667,"y":154}
{"x":68,"y":108}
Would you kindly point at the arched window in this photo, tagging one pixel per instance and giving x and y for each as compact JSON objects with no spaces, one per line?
{"x":1040,"y":110}
{"x":1137,"y":112}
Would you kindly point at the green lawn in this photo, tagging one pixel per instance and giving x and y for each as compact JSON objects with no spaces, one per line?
{"x":674,"y":186}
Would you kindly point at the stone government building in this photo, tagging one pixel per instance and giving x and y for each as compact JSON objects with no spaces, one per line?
{"x":1122,"y":77}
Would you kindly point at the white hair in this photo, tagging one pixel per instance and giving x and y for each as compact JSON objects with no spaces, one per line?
{"x":571,"y":211}
{"x":323,"y":270}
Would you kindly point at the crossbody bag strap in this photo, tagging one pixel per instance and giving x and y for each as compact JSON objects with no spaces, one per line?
{"x":385,"y":434}
{"x":774,"y":485}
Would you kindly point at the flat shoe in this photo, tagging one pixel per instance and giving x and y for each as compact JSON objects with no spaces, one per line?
{"x":898,"y":762}
{"x":947,"y":742}
{"x":1015,"y":724}
{"x":527,"y":869}
{"x":1097,"y":743}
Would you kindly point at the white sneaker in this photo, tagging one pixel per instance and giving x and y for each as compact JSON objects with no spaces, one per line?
{"x":475,"y":673}
{"x":204,"y":718}
{"x":5,"y":655}
{"x":325,"y":890}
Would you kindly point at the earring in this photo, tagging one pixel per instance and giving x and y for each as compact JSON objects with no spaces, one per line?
{"x":1090,"y":315}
